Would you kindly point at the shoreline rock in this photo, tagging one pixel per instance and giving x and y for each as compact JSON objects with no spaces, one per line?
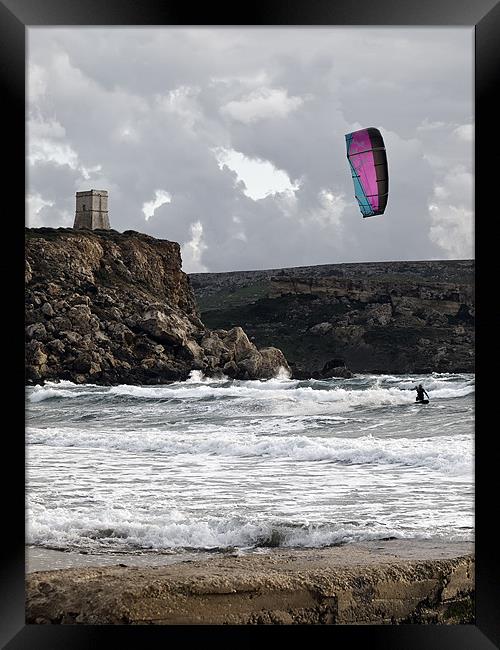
{"x":321,"y":586}
{"x":107,"y":308}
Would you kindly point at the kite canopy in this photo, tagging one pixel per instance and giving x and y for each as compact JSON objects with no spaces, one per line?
{"x":368,"y":161}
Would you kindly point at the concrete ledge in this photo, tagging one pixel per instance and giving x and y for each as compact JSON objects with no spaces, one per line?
{"x":300,"y":587}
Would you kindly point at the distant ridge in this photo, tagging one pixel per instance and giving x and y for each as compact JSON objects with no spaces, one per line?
{"x":401,"y":316}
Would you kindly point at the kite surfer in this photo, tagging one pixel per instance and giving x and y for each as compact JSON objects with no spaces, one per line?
{"x":420,"y":393}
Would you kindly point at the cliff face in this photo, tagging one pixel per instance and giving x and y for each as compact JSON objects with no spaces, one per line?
{"x":109,"y":307}
{"x":388,"y":317}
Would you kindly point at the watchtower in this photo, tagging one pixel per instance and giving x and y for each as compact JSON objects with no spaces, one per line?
{"x":92,"y":210}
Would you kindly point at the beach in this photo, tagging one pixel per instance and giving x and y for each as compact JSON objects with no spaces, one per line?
{"x":382,"y":582}
{"x":215,"y":501}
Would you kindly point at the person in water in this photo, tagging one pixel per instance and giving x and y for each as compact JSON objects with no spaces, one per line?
{"x":420,"y":393}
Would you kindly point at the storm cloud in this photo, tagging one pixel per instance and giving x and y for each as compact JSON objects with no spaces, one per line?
{"x":231,"y":140}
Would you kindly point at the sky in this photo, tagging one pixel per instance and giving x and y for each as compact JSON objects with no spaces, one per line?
{"x":231,"y":141}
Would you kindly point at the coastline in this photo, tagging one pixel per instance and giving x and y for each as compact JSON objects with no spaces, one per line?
{"x":380,"y":582}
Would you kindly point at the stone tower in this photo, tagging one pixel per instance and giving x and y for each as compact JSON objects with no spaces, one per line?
{"x":92,"y":210}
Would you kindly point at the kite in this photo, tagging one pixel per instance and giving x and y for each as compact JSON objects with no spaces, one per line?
{"x":368,"y":162}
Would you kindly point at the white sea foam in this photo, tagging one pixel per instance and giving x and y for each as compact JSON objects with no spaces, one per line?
{"x":116,"y":530}
{"x":452,"y":455}
{"x":278,"y":391}
{"x":42,"y":393}
{"x":215,"y":463}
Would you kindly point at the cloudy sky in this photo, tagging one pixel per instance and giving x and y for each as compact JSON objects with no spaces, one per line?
{"x":231,"y":140}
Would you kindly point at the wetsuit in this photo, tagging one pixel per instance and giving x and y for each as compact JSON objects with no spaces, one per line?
{"x":420,"y":394}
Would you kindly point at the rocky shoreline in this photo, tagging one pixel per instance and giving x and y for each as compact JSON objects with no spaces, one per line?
{"x":373,"y":317}
{"x":375,"y":583}
{"x":107,"y":308}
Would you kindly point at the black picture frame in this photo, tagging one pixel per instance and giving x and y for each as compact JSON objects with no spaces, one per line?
{"x":483,"y":16}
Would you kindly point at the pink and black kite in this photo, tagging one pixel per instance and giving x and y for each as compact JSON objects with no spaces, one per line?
{"x":368,"y":161}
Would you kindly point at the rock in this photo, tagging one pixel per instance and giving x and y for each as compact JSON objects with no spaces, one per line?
{"x":37,"y":331}
{"x":198,"y":356}
{"x":83,"y":363}
{"x":47,"y":310}
{"x":338,"y":372}
{"x":404,"y":305}
{"x":170,"y":328}
{"x":36,"y":354}
{"x":335,"y":368}
{"x":148,"y":363}
{"x":230,"y":369}
{"x":436,"y":319}
{"x":100,"y":336}
{"x":237,"y":342}
{"x":60,"y":306}
{"x":321,"y":328}
{"x":273,"y":363}
{"x":213,"y":345}
{"x":248,"y":362}
{"x":72,"y":337}
{"x":78,"y":299}
{"x":117,"y":308}
{"x":80,"y":312}
{"x":61,"y":323}
{"x":56,"y":346}
{"x":249,"y":367}
{"x":379,"y":315}
{"x":121,"y":333}
{"x":329,"y":586}
{"x":115,"y":314}
{"x":408,"y":320}
{"x":212,"y":365}
{"x":349,"y":334}
{"x":53,"y":289}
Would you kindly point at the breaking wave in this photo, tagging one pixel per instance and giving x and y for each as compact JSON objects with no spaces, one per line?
{"x":122,"y":532}
{"x":217,"y":464}
{"x":448,"y":454}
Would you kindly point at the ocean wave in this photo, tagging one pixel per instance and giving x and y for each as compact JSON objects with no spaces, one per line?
{"x":216,"y":464}
{"x":449,"y":454}
{"x":336,"y":396}
{"x":119,"y":531}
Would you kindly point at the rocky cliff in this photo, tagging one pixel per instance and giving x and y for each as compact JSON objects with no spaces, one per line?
{"x":107,"y":307}
{"x":388,"y":317}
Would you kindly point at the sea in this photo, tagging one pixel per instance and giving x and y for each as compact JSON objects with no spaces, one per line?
{"x":218,"y":465}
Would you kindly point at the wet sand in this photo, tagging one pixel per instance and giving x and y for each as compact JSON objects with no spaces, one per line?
{"x":383,"y":582}
{"x":45,"y":559}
